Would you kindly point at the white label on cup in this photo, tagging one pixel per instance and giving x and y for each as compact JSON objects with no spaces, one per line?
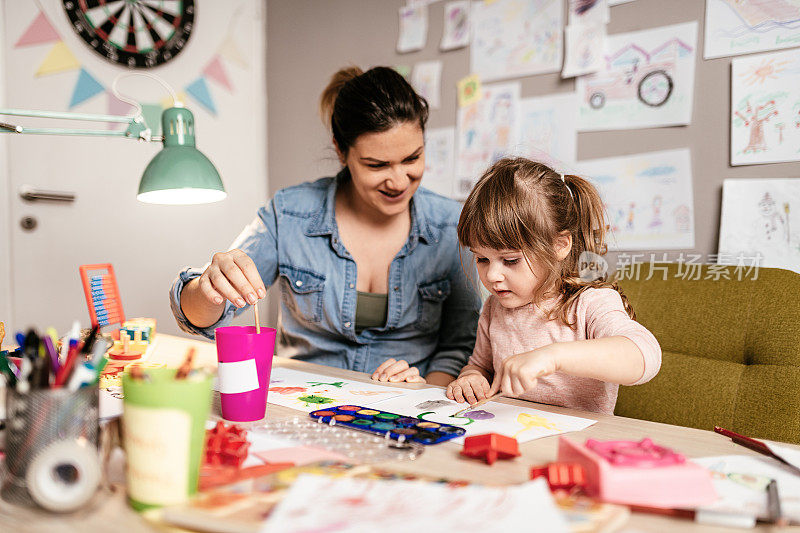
{"x":239,"y":376}
{"x":157,"y":442}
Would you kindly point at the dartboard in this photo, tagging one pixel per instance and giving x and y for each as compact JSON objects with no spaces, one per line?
{"x":134,"y":33}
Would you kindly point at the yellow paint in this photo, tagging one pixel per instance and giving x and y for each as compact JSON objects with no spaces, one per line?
{"x":533,"y":421}
{"x":60,"y":59}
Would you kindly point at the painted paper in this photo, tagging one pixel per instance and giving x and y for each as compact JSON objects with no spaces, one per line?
{"x":583,"y":49}
{"x":647,"y":81}
{"x":456,"y":25}
{"x":648,"y":199}
{"x":522,"y":423}
{"x":515,"y":38}
{"x":426,"y":79}
{"x":736,"y":27}
{"x":547,"y":130}
{"x":588,"y":12}
{"x":321,"y":503}
{"x":413,"y":28}
{"x":765,"y":107}
{"x":760,"y":219}
{"x":440,"y":147}
{"x":308,"y":392}
{"x":486,"y":132}
{"x":740,"y":482}
{"x":469,"y":90}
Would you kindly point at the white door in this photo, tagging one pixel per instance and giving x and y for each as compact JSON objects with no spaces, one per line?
{"x":147,"y":244}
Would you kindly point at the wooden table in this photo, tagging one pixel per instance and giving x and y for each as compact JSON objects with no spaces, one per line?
{"x":440,"y":460}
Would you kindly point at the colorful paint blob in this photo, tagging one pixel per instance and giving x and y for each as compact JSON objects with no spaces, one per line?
{"x":337,"y":384}
{"x":287,"y":390}
{"x":387,"y":416}
{"x":383,"y":426}
{"x":368,"y":412}
{"x":529,"y":422}
{"x":343,"y":418}
{"x":479,"y":414}
{"x":312,"y":398}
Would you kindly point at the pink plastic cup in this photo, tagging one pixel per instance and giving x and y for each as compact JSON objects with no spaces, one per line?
{"x":245,"y":362}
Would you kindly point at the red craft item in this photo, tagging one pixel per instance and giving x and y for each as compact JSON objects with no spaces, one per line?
{"x":490,"y":447}
{"x":561,"y":476}
{"x":226,"y":445}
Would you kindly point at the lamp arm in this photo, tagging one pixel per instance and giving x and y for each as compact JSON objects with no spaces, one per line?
{"x":137,"y":129}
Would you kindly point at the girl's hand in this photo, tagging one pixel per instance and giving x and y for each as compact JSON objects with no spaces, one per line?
{"x":519,"y":373}
{"x":396,"y":371}
{"x":232,"y":276}
{"x":470,"y":386}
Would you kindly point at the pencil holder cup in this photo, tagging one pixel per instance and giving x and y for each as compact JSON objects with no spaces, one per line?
{"x":245,"y":363}
{"x":51,"y":448}
{"x":163,"y":427}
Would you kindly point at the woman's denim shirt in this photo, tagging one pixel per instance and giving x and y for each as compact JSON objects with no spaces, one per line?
{"x":433,"y":306}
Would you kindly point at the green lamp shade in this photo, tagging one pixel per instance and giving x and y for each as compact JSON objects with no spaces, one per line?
{"x":180,"y":173}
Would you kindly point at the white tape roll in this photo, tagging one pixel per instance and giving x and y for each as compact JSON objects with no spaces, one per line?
{"x":64,"y":476}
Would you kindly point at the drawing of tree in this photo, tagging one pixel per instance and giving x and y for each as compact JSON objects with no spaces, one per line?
{"x":754,"y":117}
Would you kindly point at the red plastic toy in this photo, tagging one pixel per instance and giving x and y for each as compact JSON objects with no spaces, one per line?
{"x":490,"y":447}
{"x":561,"y":476}
{"x":226,"y":446}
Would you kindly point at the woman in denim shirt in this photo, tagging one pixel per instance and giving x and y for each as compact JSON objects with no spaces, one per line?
{"x":368,"y":263}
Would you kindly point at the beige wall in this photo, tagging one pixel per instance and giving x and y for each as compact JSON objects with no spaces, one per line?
{"x":310,"y":39}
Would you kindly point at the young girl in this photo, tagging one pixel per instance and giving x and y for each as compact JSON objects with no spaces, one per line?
{"x":545,"y":334}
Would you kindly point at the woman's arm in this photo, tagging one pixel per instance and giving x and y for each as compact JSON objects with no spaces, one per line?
{"x":204,"y":299}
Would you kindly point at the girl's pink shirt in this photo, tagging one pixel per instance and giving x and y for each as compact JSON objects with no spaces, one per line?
{"x":599,"y":313}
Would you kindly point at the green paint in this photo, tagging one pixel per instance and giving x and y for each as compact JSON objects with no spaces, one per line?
{"x":338,"y":384}
{"x":313,"y":399}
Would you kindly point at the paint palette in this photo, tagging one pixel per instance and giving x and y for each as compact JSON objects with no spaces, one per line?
{"x":399,"y":427}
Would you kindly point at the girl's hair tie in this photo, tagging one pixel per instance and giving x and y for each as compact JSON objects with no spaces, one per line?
{"x":568,"y":189}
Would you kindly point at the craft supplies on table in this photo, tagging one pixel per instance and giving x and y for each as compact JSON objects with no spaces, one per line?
{"x":245,"y":363}
{"x":490,"y":447}
{"x":638,"y":473}
{"x":51,"y":447}
{"x":391,"y":425}
{"x":355,"y":446}
{"x":168,"y":415}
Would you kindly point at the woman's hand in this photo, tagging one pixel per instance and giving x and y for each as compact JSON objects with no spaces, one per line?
{"x":470,"y":386}
{"x":231,"y":276}
{"x":396,"y":371}
{"x":519,"y":373}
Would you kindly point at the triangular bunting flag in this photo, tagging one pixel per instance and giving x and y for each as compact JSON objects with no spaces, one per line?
{"x":167,"y":102}
{"x":86,"y":87}
{"x":118,"y":107}
{"x":199,"y":91}
{"x":216,"y":72}
{"x":230,"y":51}
{"x":152,"y":117}
{"x":39,"y":32}
{"x":60,"y":59}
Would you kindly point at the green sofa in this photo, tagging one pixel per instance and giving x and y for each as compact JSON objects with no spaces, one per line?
{"x":731,"y":348}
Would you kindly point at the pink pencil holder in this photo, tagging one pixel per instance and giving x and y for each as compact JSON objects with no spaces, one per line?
{"x":245,"y":362}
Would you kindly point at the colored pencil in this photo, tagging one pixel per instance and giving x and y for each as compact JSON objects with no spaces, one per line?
{"x":255,"y":311}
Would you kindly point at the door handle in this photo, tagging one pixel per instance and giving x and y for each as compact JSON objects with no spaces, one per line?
{"x":34,"y":195}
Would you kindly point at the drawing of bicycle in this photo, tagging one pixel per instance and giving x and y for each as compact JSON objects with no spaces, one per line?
{"x":652,"y":85}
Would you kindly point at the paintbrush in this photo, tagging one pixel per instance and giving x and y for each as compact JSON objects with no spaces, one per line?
{"x":186,"y":366}
{"x":255,"y":312}
{"x":472,"y":407}
{"x":2,"y":334}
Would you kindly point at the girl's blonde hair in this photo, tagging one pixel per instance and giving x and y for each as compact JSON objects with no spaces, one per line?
{"x":519,"y":204}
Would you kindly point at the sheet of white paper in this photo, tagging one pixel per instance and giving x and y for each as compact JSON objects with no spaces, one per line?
{"x":522,"y":423}
{"x":648,"y":198}
{"x":413,"y":28}
{"x":741,"y":481}
{"x":788,"y":454}
{"x":735,"y":27}
{"x":648,"y":81}
{"x":486,"y":131}
{"x":547,"y":130}
{"x":515,"y":38}
{"x":320,"y":503}
{"x":440,"y":146}
{"x":426,"y":79}
{"x":456,"y":32}
{"x":757,"y":229}
{"x":583,"y":49}
{"x":110,"y":403}
{"x":308,"y":392}
{"x":765,"y":107}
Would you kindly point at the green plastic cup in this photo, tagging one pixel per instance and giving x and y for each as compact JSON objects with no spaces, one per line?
{"x":164,"y":431}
